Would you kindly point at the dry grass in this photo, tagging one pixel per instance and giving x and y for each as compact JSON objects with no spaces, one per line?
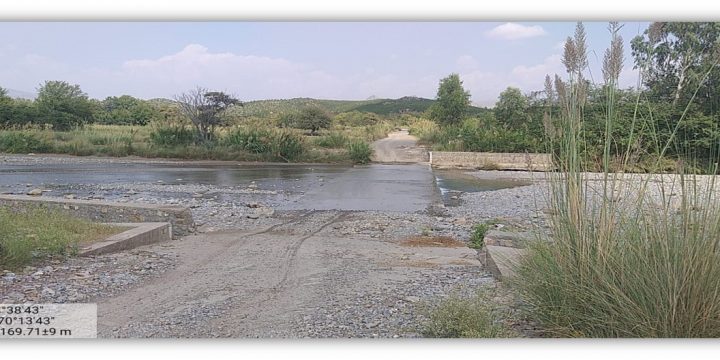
{"x":432,"y":241}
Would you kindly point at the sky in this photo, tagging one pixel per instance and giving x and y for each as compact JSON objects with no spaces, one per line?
{"x":277,"y":60}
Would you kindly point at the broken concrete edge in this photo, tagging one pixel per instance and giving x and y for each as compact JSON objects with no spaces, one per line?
{"x":139,"y":234}
{"x":106,"y":211}
{"x":516,"y":239}
{"x":502,"y":261}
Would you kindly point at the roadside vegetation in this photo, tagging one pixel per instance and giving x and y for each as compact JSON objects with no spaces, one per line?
{"x":22,"y":241}
{"x":465,"y":316}
{"x":633,"y":258}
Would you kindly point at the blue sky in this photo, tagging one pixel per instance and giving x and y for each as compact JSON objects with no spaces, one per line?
{"x":262,"y":60}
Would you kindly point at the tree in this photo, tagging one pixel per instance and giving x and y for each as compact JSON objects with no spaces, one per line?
{"x":6,"y":108}
{"x":511,"y":108}
{"x":310,"y":118}
{"x":205,"y":109}
{"x":674,"y":59}
{"x":62,"y":105}
{"x":125,"y":110}
{"x":452,"y":101}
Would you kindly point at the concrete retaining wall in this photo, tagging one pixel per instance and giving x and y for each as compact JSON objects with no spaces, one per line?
{"x":140,"y":234}
{"x":491,"y":161}
{"x":101,"y":211}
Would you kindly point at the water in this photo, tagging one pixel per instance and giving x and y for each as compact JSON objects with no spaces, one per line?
{"x":454,"y":182}
{"x":67,"y":174}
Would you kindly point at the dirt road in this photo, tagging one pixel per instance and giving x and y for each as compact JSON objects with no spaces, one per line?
{"x":399,"y":147}
{"x":299,"y":278}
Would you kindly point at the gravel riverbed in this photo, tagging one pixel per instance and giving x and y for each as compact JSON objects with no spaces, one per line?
{"x":379,"y":311}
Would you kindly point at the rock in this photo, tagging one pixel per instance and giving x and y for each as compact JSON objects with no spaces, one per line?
{"x":253,"y":205}
{"x":38,"y":273}
{"x":252,"y":186}
{"x":373,"y":324}
{"x":35,"y":192}
{"x":70,"y":196}
{"x":412,"y":299}
{"x":253,"y":216}
{"x":460,"y":221}
{"x":9,"y":276}
{"x":48,"y":292}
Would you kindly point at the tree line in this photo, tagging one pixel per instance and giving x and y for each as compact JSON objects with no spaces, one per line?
{"x":677,"y":102}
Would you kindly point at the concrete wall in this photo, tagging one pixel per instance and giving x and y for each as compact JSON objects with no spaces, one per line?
{"x":491,"y":161}
{"x":100,"y":211}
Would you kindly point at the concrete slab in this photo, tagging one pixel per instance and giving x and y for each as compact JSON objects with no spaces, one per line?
{"x":139,"y":234}
{"x":515,"y":239}
{"x":502,"y":261}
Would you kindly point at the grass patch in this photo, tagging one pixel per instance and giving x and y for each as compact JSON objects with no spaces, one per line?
{"x":460,"y":316}
{"x":477,"y":238}
{"x":41,"y":233}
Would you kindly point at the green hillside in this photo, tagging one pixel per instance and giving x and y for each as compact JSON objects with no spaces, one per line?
{"x":277,"y":107}
{"x":264,"y":108}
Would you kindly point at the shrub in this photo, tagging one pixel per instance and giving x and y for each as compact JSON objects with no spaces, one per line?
{"x":477,"y":239}
{"x":334,"y":140}
{"x":360,"y":152}
{"x":257,"y":141}
{"x":18,"y":142}
{"x":287,"y":145}
{"x":172,"y":136}
{"x":465,"y":317}
{"x":279,"y":144}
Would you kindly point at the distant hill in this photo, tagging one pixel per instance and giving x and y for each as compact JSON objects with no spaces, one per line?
{"x":408,"y":104}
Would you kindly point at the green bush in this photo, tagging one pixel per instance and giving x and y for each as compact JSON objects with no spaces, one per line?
{"x":18,"y":142}
{"x":257,"y":141}
{"x":278,"y":144}
{"x":172,"y":136}
{"x":333,"y":140}
{"x":477,"y":239}
{"x":465,"y":317}
{"x":360,"y":152}
{"x":287,"y":145}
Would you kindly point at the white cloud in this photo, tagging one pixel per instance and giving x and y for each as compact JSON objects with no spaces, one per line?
{"x":551,"y":65}
{"x":512,"y":31}
{"x":485,"y":86}
{"x":247,"y":76}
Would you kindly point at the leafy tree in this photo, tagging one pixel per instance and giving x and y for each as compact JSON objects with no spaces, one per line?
{"x":6,"y":107}
{"x":310,"y":118}
{"x":125,"y":110}
{"x":512,"y":108}
{"x":62,"y":105}
{"x":675,"y":59}
{"x":679,"y":63}
{"x":452,"y":101}
{"x":205,"y":109}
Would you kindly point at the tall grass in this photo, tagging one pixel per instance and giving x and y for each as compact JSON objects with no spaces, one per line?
{"x":630,"y":255}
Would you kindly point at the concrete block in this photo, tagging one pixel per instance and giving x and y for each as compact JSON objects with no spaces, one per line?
{"x":139,"y":234}
{"x":502,"y":261}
